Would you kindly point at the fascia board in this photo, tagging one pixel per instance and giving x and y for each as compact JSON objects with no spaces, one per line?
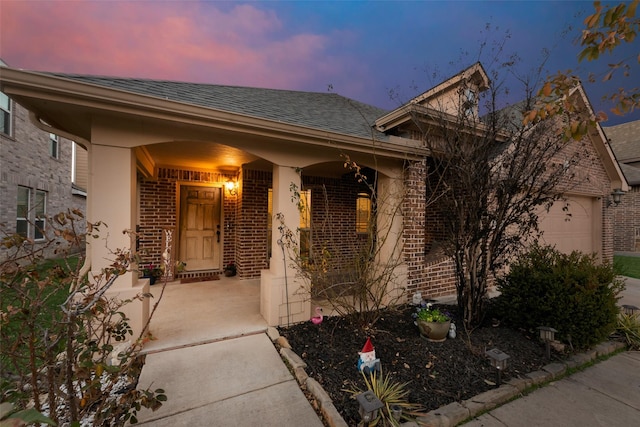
{"x":101,"y":99}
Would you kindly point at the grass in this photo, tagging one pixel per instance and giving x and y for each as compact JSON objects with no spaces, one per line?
{"x":45,"y":302}
{"x":627,"y":266}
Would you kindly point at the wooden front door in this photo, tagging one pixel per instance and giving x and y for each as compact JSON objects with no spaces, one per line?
{"x":200,"y":230}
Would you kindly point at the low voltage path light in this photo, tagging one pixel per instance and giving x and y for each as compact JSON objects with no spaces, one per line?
{"x":369,"y":406}
{"x":629,"y":310}
{"x":498,"y":360}
{"x":547,"y":334}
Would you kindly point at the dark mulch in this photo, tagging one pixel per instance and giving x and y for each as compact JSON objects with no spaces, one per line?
{"x":438,"y":373}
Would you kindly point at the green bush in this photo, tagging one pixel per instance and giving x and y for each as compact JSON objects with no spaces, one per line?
{"x":572,"y":293}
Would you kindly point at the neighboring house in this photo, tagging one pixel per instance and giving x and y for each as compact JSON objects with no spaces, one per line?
{"x":625,"y":142}
{"x":201,"y":170}
{"x":41,"y":174}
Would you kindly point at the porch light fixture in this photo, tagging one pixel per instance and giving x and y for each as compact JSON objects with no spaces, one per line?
{"x":369,"y":406}
{"x":498,"y":360}
{"x":629,"y":310}
{"x":547,"y":334}
{"x":616,"y":197}
{"x":232,"y":187}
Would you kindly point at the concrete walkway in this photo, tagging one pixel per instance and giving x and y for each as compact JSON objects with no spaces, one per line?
{"x":238,"y":382}
{"x":606,"y":394}
{"x":242,"y":381}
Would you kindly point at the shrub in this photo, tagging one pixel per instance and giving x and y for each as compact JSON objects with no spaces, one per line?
{"x":572,"y":293}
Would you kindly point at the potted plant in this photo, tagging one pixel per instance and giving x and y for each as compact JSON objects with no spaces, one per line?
{"x":432,"y":323}
{"x":230,"y":269}
{"x":151,"y":272}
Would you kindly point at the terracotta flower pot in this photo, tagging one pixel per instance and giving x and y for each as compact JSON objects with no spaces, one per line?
{"x":434,"y":331}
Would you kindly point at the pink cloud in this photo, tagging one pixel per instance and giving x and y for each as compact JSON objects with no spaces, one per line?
{"x":165,"y":40}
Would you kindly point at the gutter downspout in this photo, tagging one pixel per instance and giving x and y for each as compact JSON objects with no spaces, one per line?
{"x":86,"y":267}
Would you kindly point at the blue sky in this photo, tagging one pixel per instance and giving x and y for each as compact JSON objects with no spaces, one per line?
{"x":363,"y":50}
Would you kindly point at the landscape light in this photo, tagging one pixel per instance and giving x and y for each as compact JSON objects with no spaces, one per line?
{"x":498,"y":360}
{"x":369,"y":406}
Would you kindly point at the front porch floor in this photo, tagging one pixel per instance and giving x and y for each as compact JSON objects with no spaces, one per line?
{"x":202,"y":312}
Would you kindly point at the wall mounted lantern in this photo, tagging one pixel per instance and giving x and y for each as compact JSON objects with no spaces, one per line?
{"x":498,"y":360}
{"x":232,"y":187}
{"x":547,"y":334}
{"x":616,"y":197}
{"x":369,"y":406}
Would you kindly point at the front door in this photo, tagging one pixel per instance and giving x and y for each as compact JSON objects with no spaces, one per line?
{"x":200,"y":232}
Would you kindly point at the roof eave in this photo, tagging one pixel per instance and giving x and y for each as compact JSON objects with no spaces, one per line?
{"x":22,"y":85}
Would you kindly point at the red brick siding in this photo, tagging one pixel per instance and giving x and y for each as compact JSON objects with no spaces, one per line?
{"x":434,"y":275}
{"x":158,"y":209}
{"x":626,"y":217}
{"x":251,"y":233}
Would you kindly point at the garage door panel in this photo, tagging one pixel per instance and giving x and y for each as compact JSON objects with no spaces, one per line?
{"x":570,"y":225}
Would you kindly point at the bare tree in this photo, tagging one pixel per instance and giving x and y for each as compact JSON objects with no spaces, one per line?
{"x":487,"y":180}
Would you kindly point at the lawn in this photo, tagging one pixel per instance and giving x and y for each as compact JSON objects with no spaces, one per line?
{"x":627,"y":266}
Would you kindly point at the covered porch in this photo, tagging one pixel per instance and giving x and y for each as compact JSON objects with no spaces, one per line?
{"x":203,"y":312}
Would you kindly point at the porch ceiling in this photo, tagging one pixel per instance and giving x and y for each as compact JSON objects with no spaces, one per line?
{"x":200,"y":155}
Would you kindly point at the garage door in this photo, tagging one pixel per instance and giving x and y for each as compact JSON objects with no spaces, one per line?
{"x":572,"y":225}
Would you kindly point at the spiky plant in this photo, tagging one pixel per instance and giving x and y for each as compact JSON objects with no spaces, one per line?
{"x":629,"y":327}
{"x":392,"y":394}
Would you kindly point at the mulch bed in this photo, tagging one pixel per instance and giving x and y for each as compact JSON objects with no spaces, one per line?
{"x":437,"y":373}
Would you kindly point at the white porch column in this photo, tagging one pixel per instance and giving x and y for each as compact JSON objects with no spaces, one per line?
{"x":391,"y":194}
{"x":112,"y":200}
{"x":282,"y":300}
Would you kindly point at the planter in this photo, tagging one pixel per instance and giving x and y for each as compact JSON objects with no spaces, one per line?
{"x":229,"y":273}
{"x":434,"y":331}
{"x":152,"y":279}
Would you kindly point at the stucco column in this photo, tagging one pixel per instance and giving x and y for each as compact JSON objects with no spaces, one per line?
{"x":282,"y":296}
{"x":391,"y":193}
{"x":112,"y":200}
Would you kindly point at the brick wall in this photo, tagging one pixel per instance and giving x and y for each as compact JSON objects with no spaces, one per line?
{"x":251,"y":233}
{"x":25,"y":160}
{"x":432,"y":273}
{"x":626,"y":234}
{"x":158,"y":209}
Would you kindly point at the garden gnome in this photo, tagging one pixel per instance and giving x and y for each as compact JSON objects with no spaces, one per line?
{"x":367,"y":362}
{"x":452,"y":330}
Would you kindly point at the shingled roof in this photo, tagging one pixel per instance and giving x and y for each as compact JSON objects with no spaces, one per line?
{"x":625,"y":141}
{"x":323,"y":111}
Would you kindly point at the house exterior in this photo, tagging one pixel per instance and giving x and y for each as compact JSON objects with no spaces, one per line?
{"x":41,"y":173}
{"x":201,"y":171}
{"x":625,"y":142}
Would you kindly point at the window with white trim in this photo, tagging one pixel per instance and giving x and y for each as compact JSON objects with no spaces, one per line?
{"x":22,"y":219}
{"x":54,"y":145}
{"x":5,"y":114}
{"x":31,"y":221}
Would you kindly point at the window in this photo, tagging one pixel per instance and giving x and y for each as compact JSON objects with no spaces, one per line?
{"x":22,"y":220}
{"x":469,"y":102}
{"x":54,"y":145}
{"x":363,"y":212}
{"x":304,"y":227}
{"x":5,"y":114}
{"x":305,"y":223}
{"x":29,"y":213}
{"x":40,"y":220}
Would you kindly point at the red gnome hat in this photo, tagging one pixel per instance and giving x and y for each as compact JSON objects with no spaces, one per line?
{"x":368,"y":347}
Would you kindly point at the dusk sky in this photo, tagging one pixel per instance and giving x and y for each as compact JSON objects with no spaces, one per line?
{"x":362,"y":50}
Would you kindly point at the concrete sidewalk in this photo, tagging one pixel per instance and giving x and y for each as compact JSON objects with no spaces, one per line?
{"x":237,"y":382}
{"x":606,"y":394}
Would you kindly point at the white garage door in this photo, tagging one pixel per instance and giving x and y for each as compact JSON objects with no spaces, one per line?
{"x":572,"y":225}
